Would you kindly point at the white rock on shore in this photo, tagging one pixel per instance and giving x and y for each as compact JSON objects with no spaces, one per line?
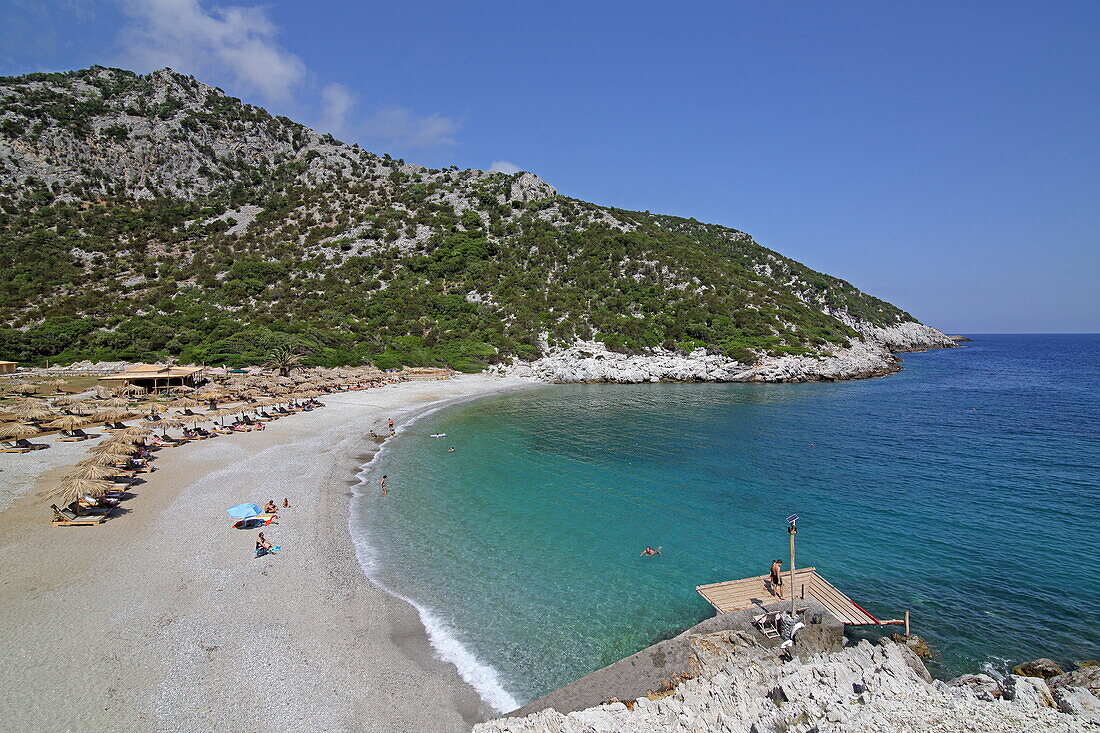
{"x":591,"y":361}
{"x":868,"y":688}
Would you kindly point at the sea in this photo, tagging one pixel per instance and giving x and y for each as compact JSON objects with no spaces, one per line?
{"x":964,"y":489}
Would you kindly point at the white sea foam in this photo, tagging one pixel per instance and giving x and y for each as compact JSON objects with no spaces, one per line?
{"x":485,"y":680}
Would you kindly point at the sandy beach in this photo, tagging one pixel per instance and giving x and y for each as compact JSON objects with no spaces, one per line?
{"x":162,"y":619}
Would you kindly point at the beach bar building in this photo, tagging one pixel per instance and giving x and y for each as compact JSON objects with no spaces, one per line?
{"x":154,"y":377}
{"x":8,"y":367}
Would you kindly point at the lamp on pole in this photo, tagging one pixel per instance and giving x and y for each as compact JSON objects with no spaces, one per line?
{"x":792,"y":530}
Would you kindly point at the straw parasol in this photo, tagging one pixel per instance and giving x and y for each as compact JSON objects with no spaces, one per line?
{"x":164,"y":424}
{"x":183,"y":402}
{"x":27,"y":388}
{"x":72,"y":489}
{"x":102,"y":459}
{"x":113,"y":415}
{"x":181,"y":389}
{"x":67,"y":422}
{"x":132,"y":390}
{"x":33,"y":412}
{"x":116,"y":402}
{"x":64,"y":401}
{"x":92,"y":471}
{"x":17,"y":430}
{"x":194,"y":419}
{"x":113,"y":449}
{"x":136,"y":431}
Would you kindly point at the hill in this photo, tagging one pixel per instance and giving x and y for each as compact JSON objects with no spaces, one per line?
{"x":155,"y":217}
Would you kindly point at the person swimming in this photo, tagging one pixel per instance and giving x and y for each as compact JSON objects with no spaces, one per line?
{"x":648,"y":551}
{"x":451,"y":449}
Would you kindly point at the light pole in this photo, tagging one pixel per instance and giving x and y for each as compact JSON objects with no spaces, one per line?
{"x":792,"y":530}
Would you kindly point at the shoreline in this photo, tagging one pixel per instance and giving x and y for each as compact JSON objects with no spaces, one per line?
{"x":161,"y":619}
{"x":479,"y":675}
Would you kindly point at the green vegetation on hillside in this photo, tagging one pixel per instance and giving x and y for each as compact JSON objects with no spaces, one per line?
{"x":350,"y":257}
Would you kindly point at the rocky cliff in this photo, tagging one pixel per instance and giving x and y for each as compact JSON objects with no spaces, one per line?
{"x":740,"y":686}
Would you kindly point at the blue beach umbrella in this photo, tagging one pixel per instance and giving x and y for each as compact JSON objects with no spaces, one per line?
{"x":243,"y":511}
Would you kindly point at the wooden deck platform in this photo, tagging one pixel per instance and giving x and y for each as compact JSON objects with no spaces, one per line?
{"x":733,"y":595}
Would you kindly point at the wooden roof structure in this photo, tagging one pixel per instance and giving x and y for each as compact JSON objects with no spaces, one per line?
{"x":154,"y":371}
{"x":733,"y":595}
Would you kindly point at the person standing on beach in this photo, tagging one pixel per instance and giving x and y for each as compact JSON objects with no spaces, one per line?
{"x":385,"y":489}
{"x":776,"y":574}
{"x":392,"y":431}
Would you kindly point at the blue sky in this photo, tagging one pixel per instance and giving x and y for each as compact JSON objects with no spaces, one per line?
{"x":943,"y":156}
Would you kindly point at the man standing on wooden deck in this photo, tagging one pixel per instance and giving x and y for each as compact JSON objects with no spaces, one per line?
{"x":776,"y":573}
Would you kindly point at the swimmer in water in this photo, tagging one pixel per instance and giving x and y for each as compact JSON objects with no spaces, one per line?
{"x":650,"y":551}
{"x":385,"y":489}
{"x":451,"y":449}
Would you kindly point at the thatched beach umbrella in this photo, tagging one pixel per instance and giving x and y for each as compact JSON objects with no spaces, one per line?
{"x":194,"y":419}
{"x":113,"y":415}
{"x":165,"y":424}
{"x":102,"y":459}
{"x":116,"y":402}
{"x":67,"y":422}
{"x":17,"y":430}
{"x":93,"y":471}
{"x":72,"y":489}
{"x":112,"y":449}
{"x":65,"y":401}
{"x":181,"y":389}
{"x":132,"y":390}
{"x":135,"y":431}
{"x":37,"y":411}
{"x":183,"y":402}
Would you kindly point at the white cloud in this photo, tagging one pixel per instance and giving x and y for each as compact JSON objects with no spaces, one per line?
{"x":240,"y":43}
{"x":504,"y":166}
{"x":403,"y":128}
{"x":236,"y":40}
{"x":336,"y":102}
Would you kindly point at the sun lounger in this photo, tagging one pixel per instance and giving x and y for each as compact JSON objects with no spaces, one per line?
{"x":8,"y":447}
{"x":65,"y":517}
{"x":76,"y":435}
{"x":766,"y":622}
{"x":24,"y":443}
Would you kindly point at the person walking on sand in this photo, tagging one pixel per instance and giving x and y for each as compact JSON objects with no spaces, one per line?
{"x":776,"y":575}
{"x":385,"y":489}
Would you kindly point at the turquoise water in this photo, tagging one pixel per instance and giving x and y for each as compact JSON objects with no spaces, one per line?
{"x":963,"y":489}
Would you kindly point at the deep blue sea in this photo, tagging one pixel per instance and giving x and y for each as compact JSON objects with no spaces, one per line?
{"x":965,"y":489}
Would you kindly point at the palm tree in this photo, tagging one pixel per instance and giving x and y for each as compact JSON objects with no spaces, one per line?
{"x":285,"y":359}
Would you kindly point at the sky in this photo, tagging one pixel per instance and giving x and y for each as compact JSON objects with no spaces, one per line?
{"x":943,"y":156}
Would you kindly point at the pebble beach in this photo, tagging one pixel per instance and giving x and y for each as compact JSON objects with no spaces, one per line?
{"x":162,"y":618}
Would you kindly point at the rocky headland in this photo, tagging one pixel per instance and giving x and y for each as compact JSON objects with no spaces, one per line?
{"x":870,"y":355}
{"x":735,"y":680}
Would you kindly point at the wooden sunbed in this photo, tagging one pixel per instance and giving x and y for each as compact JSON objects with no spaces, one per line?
{"x":8,"y":447}
{"x":24,"y":443}
{"x":76,"y":435}
{"x":66,"y":518}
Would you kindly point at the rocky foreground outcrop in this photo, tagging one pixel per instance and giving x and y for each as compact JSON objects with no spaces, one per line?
{"x":869,"y":356}
{"x":870,"y":688}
